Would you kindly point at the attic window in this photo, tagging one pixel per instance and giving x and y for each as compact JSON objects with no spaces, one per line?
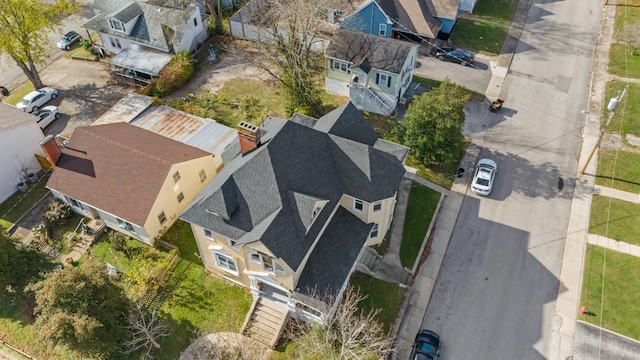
{"x":358,"y":205}
{"x":203,"y":175}
{"x":195,"y":21}
{"x":180,"y":197}
{"x":176,"y":176}
{"x":208,"y":234}
{"x":116,"y":25}
{"x":377,"y":206}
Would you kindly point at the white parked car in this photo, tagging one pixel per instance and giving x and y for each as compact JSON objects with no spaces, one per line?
{"x":35,"y":99}
{"x":46,"y":115}
{"x":483,"y":178}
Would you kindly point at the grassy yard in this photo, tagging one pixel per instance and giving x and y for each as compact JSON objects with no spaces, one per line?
{"x":195,"y":303}
{"x":18,"y":203}
{"x":381,"y":295}
{"x":420,"y":209}
{"x":619,"y":224}
{"x":622,"y":62}
{"x":180,"y":234}
{"x":626,"y":118}
{"x":500,"y":11}
{"x":479,"y":36}
{"x":18,"y":94}
{"x":627,"y":170}
{"x":619,"y":298}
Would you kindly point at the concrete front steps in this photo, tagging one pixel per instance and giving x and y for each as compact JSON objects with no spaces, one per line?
{"x":265,"y":321}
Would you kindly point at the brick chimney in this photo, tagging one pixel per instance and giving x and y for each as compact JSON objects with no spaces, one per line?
{"x":249,"y":136}
{"x":51,"y":149}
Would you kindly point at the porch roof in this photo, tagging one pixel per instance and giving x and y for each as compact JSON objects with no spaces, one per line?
{"x":139,"y":59}
{"x":334,"y":256}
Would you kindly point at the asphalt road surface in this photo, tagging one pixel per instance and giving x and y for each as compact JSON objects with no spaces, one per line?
{"x":495,"y":295}
{"x":594,"y":343}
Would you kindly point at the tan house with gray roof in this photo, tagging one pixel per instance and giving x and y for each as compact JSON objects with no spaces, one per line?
{"x":292,"y":209}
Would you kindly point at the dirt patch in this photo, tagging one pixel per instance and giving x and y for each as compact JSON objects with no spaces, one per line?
{"x":615,"y":142}
{"x":239,"y":59}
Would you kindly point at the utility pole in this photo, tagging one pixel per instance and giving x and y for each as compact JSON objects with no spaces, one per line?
{"x":613,"y":103}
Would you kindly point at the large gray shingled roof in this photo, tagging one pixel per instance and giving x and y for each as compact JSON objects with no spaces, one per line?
{"x":381,"y":53}
{"x":158,"y":27}
{"x":260,"y":196}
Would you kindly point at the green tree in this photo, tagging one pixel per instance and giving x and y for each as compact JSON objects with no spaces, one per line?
{"x":25,"y":27}
{"x":18,"y":264}
{"x":294,"y":26}
{"x":81,"y":308}
{"x":432,"y":127}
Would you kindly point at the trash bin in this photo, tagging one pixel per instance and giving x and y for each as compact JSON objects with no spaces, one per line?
{"x":4,"y":91}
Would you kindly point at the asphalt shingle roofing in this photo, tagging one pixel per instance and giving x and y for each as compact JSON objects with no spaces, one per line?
{"x":294,"y":165}
{"x":118,"y":168}
{"x":159,"y":27}
{"x":381,"y":53}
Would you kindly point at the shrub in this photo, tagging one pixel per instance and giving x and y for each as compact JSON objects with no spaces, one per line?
{"x":118,"y":240}
{"x":58,"y":213}
{"x":179,"y":70}
{"x":86,"y":43}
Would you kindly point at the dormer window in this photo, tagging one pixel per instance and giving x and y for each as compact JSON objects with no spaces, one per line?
{"x":265,"y":261}
{"x":358,"y":205}
{"x":116,"y":25}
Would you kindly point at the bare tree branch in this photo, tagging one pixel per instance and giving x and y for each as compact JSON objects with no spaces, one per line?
{"x":146,"y":328}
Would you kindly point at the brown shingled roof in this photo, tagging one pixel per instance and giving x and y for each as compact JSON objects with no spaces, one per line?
{"x":118,"y":168}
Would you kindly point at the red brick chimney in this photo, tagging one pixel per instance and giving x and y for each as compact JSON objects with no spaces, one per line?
{"x":249,"y":136}
{"x":51,"y":149}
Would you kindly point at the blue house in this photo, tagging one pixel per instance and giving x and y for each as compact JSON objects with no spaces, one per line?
{"x":415,"y":20}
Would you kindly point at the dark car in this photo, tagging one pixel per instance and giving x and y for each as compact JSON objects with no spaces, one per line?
{"x":426,"y":346}
{"x":460,"y":56}
{"x":68,"y":40}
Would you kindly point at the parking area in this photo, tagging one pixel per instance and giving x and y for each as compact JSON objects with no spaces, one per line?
{"x":86,"y":91}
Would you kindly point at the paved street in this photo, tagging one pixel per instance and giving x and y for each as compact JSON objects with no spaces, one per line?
{"x":594,"y":343}
{"x":495,"y":295}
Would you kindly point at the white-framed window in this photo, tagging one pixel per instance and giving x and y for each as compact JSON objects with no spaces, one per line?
{"x":208,"y":234}
{"x":116,"y":25}
{"x":125,"y":225}
{"x":358,"y":205}
{"x":382,"y":30}
{"x":233,"y":244}
{"x":265,"y":261}
{"x":280,"y":269}
{"x":176,"y":176}
{"x":180,"y":197}
{"x":195,"y":21}
{"x":162,"y":218}
{"x":225,"y":262}
{"x":383,"y":80}
{"x":377,"y":207}
{"x":75,"y":203}
{"x":374,"y":231}
{"x":340,"y":65}
{"x":203,"y":176}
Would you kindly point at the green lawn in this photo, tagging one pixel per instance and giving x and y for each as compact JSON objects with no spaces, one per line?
{"x":18,"y":203}
{"x":180,"y":234}
{"x":381,"y":295}
{"x":626,"y":118}
{"x":619,"y":224}
{"x":195,"y":303}
{"x":622,"y":62}
{"x":17,"y":94}
{"x":421,"y":207}
{"x":627,"y":170}
{"x":619,"y":300}
{"x":480,"y":37}
{"x":496,"y":10}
